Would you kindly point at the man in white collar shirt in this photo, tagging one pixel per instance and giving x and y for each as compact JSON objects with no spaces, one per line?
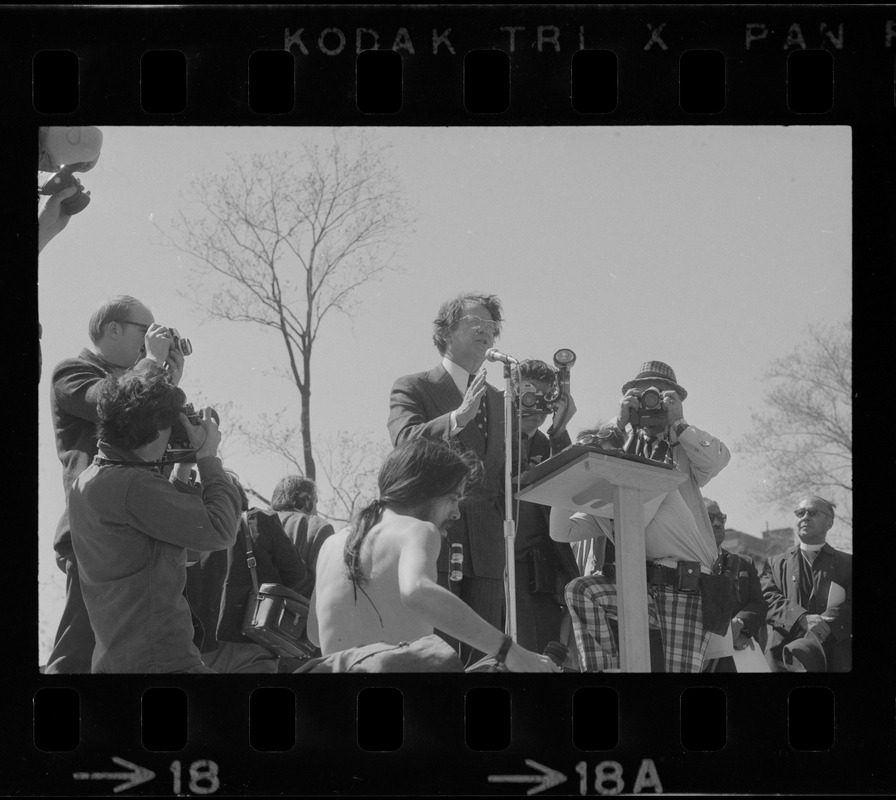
{"x":679,"y":540}
{"x":453,"y":402}
{"x":808,"y":589}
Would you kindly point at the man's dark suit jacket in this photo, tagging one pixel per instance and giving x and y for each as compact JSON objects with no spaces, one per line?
{"x":752,"y":608}
{"x":786,"y":604}
{"x":420,"y":405}
{"x":533,"y":525}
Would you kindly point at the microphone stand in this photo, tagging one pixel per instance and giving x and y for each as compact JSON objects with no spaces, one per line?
{"x":509,"y":524}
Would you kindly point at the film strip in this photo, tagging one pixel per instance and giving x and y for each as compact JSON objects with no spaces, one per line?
{"x":497,"y":734}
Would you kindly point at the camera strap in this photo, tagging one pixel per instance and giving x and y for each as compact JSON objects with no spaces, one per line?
{"x":102,"y":461}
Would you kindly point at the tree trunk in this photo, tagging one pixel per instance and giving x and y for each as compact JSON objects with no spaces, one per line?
{"x":310,"y":470}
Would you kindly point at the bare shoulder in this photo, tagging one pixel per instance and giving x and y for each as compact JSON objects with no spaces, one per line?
{"x":414,"y":530}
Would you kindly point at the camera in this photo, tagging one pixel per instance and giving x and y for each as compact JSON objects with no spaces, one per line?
{"x":179,"y":343}
{"x":651,"y":409}
{"x":533,"y":401}
{"x":179,"y":442}
{"x":62,"y":180}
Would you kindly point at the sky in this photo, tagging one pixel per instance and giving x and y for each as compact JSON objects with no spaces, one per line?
{"x":709,"y":248}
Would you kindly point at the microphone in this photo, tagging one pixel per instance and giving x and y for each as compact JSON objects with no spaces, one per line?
{"x":496,"y":355}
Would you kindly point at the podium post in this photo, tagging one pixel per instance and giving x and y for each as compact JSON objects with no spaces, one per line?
{"x":587,"y":479}
{"x":631,"y":580}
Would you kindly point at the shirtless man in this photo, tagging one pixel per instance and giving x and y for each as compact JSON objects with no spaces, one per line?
{"x":376,"y":582}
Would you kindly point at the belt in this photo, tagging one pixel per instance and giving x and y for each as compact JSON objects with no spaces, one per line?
{"x":671,"y":562}
{"x":660,"y":573}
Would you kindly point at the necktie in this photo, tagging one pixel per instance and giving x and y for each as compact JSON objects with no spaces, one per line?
{"x":482,"y":414}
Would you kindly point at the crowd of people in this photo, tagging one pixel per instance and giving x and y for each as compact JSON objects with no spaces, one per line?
{"x":162,"y":556}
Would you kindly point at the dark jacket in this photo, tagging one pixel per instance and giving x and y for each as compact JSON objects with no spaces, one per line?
{"x":787,"y":602}
{"x":220,"y":584}
{"x":307,"y":532}
{"x":751,"y":608}
{"x":533,"y":525}
{"x":73,"y":397}
{"x":421,"y":405}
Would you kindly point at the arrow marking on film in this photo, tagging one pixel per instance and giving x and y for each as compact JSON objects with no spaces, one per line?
{"x":549,"y":779}
{"x":135,"y":777}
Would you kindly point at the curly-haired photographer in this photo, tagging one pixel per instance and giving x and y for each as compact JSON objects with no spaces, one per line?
{"x":131,"y":527}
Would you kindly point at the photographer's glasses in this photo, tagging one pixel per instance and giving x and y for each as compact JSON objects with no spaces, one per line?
{"x":723,"y":518}
{"x":472,"y":321}
{"x":145,"y":328}
{"x":811,"y":513}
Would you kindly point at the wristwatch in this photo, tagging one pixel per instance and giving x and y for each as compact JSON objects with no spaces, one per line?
{"x":504,"y":649}
{"x":680,"y":427}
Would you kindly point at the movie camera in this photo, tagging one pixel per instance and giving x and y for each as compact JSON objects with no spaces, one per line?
{"x":532,"y":401}
{"x":179,"y":442}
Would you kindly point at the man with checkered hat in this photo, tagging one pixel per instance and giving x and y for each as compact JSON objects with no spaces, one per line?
{"x":679,"y":540}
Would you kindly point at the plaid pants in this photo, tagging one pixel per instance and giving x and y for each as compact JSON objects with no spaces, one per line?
{"x":679,"y":616}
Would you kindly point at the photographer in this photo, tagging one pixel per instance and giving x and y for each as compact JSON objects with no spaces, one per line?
{"x":124,"y":335}
{"x":543,"y":567}
{"x":679,"y":541}
{"x":130,"y":526}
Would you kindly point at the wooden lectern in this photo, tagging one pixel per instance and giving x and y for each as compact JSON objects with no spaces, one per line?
{"x":610,"y":484}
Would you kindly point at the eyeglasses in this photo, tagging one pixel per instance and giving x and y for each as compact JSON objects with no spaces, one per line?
{"x":478,"y":322}
{"x":723,"y":518}
{"x":145,"y":328}
{"x":811,"y":513}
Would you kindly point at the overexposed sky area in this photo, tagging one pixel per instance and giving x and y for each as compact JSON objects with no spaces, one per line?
{"x":709,"y":248}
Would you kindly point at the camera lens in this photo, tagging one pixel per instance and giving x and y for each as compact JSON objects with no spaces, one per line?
{"x":650,"y":399}
{"x":529,"y":400}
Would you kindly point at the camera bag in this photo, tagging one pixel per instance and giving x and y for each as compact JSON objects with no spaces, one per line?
{"x":276,"y":617}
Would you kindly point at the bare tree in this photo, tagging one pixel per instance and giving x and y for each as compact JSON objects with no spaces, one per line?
{"x":351,"y":465}
{"x":804,"y":434}
{"x":291,"y":237}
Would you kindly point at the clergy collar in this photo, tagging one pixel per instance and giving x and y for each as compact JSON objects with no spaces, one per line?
{"x":812,"y":548}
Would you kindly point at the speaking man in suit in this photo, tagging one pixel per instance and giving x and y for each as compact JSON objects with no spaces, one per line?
{"x":808,"y":589}
{"x":452,"y":401}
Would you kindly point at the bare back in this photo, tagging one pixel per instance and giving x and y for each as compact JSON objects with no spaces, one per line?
{"x":344,"y":616}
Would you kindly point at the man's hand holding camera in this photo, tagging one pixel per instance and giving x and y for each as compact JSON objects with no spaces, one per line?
{"x":564,"y":410}
{"x":52,"y":218}
{"x":630,"y":406}
{"x":159,"y":344}
{"x":204,"y":437}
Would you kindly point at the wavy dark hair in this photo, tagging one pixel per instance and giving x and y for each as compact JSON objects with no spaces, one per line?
{"x":415,"y":472}
{"x":535,"y":370}
{"x":293,"y":492}
{"x":135,"y":406}
{"x":452,"y":310}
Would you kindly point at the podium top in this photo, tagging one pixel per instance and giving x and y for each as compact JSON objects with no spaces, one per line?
{"x":584,"y":478}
